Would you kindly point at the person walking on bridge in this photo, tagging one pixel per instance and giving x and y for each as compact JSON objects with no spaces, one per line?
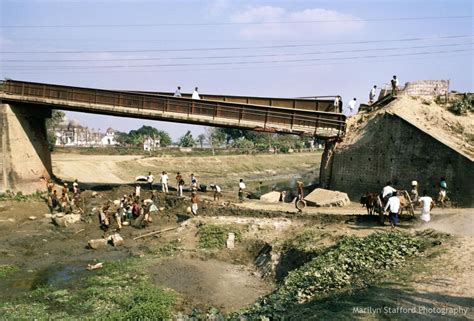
{"x":177,"y":93}
{"x":195,"y":94}
{"x":352,"y":105}
{"x":394,"y":83}
{"x":372,"y":95}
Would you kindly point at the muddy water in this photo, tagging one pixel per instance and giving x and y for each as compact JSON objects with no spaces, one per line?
{"x":55,"y":276}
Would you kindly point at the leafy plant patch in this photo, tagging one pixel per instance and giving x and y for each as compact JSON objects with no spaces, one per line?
{"x":6,"y":269}
{"x":214,"y":236}
{"x":352,"y":263}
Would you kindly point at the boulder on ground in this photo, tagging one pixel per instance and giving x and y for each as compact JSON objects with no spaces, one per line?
{"x":272,"y":197}
{"x":72,"y":218}
{"x":59,"y":220}
{"x":116,"y":239}
{"x":97,"y":243}
{"x":326,"y":198}
{"x":231,"y":241}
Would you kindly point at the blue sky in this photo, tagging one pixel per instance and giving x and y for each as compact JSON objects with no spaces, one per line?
{"x":108,"y":40}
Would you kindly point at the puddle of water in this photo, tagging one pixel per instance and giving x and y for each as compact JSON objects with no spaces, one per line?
{"x":55,"y":276}
{"x":58,"y":275}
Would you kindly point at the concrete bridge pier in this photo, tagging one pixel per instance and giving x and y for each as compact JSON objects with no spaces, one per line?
{"x":26,"y":158}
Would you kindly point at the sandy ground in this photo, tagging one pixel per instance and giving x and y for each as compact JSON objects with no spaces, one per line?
{"x":90,"y":168}
{"x":223,"y":170}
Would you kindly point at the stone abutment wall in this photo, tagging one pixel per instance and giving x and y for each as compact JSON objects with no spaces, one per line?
{"x":393,"y":149}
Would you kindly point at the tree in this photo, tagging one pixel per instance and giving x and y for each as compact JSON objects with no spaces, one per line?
{"x":201,"y":138}
{"x":57,"y":117}
{"x":231,"y":134}
{"x":215,"y":138}
{"x":165,"y":138}
{"x":187,"y":140}
{"x":136,"y":137}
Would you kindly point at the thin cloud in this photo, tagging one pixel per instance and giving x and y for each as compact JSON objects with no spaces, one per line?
{"x":337,"y":23}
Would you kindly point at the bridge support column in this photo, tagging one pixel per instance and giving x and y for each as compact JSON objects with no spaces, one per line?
{"x":26,"y":157}
{"x":325,"y":172}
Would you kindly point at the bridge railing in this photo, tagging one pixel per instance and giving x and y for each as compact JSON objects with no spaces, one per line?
{"x":264,"y":117}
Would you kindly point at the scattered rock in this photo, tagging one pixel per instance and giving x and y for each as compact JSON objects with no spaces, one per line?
{"x":326,"y":198}
{"x":91,"y":267}
{"x":72,"y":218}
{"x":116,"y":239}
{"x":59,"y":220}
{"x":64,"y":220}
{"x":97,"y":243}
{"x":272,"y":197}
{"x":32,"y":218}
{"x":231,"y":241}
{"x":48,"y":215}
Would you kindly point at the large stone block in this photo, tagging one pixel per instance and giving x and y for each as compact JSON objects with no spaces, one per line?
{"x":325,"y":198}
{"x":272,"y":197}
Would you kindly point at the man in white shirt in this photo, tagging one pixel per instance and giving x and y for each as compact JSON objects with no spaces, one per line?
{"x":150,"y":178}
{"x":387,"y":191}
{"x":352,"y":105}
{"x":393,"y":206}
{"x":177,"y":93}
{"x":394,"y":83}
{"x":372,"y":94}
{"x":195,"y":94}
{"x":242,"y":188}
{"x":217,"y":191}
{"x":164,"y":182}
{"x":137,"y":190}
{"x":427,"y":204}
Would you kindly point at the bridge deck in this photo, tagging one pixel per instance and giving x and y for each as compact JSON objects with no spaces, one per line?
{"x":323,"y":103}
{"x":163,"y":107}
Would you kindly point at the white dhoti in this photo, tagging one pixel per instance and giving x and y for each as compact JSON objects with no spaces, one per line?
{"x":425,"y":216}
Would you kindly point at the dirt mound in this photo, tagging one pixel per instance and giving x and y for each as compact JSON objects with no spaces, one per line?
{"x":426,"y":114}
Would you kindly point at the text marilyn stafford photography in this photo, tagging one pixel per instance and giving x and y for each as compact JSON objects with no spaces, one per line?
{"x":411,"y":310}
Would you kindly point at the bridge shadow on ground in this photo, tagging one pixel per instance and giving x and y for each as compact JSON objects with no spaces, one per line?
{"x":386,"y":302}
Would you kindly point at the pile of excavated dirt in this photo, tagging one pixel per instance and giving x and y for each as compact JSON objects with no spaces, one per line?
{"x":423,"y":112}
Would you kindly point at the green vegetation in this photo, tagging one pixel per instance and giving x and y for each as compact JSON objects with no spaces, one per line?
{"x":461,"y":107}
{"x":6,"y":269}
{"x":214,"y":236}
{"x":167,"y":249}
{"x":56,"y":118}
{"x":305,"y":241}
{"x":237,"y":138}
{"x":352,"y":263}
{"x":136,"y":137}
{"x":20,"y":197}
{"x":119,"y":291}
{"x":187,"y":140}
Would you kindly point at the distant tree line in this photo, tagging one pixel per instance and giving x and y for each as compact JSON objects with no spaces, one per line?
{"x":212,"y":137}
{"x":135,"y":138}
